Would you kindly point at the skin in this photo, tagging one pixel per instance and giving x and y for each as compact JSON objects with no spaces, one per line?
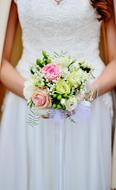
{"x":107,"y":80}
{"x":105,"y":83}
{"x":7,"y":71}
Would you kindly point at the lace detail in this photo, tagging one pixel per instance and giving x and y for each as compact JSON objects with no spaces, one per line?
{"x":71,"y":27}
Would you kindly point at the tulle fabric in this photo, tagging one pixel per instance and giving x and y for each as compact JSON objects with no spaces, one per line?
{"x":53,"y":156}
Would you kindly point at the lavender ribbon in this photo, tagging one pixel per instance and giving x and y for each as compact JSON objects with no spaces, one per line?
{"x":80,"y":115}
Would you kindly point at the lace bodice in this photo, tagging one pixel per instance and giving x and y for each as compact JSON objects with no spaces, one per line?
{"x":71,"y":27}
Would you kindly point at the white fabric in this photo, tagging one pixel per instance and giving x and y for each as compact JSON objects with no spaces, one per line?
{"x":4,"y":13}
{"x":52,"y":156}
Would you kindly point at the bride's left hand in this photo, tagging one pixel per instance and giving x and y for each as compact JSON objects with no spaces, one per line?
{"x":91,"y":94}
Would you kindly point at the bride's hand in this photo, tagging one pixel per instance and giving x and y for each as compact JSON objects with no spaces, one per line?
{"x":91,"y":92}
{"x":8,"y":75}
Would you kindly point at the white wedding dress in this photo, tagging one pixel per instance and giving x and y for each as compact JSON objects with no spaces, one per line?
{"x":63,"y":155}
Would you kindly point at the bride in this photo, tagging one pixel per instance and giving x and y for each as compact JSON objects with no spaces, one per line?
{"x":62,"y":156}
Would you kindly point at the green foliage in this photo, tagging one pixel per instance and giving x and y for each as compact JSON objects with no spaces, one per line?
{"x":30,"y":103}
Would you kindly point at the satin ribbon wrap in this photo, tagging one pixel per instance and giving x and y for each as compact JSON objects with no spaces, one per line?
{"x":80,"y":116}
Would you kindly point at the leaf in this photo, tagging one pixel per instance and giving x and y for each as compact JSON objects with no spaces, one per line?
{"x":44,"y":54}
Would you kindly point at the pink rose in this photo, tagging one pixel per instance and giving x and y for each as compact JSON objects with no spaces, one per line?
{"x":51,"y":72}
{"x":41,"y":99}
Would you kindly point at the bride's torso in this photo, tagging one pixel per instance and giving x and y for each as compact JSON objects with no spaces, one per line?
{"x":71,"y":27}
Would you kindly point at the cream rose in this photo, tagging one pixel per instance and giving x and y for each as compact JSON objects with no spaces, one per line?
{"x":41,"y":99}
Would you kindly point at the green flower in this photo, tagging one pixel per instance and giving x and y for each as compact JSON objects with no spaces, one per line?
{"x":63,"y":87}
{"x":37,"y":81}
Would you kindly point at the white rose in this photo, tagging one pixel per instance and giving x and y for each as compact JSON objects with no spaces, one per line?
{"x":74,"y":66}
{"x":64,"y":72}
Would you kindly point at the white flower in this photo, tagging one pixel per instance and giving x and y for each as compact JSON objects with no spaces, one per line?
{"x":28,"y":89}
{"x":64,"y":61}
{"x":64,"y":72}
{"x":71,"y":103}
{"x":74,"y":66}
{"x":75,"y":78}
{"x":63,"y":101}
{"x":83,"y":76}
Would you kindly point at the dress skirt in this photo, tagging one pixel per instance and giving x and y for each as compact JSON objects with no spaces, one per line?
{"x":54,"y":156}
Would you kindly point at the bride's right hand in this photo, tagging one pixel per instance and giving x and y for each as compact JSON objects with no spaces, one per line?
{"x":8,"y":75}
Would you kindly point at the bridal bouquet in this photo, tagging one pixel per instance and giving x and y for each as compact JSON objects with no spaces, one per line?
{"x":57,"y":82}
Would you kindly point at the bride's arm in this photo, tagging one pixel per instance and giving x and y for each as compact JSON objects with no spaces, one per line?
{"x":107,"y":81}
{"x":8,"y":75}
